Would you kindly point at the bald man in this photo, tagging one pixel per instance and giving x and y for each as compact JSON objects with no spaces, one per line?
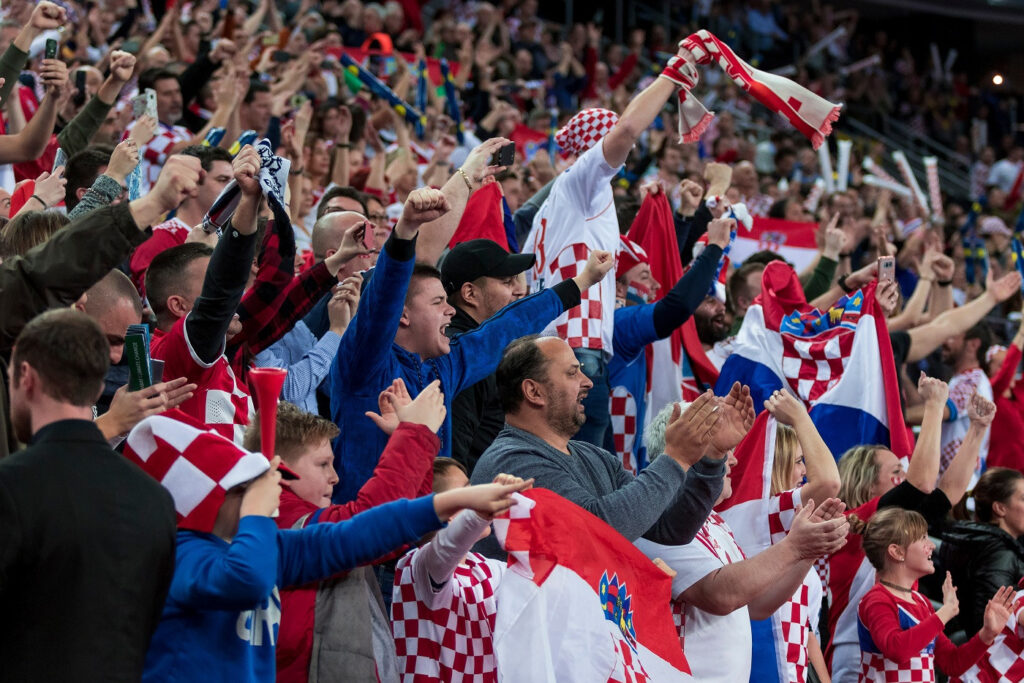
{"x":114,"y":304}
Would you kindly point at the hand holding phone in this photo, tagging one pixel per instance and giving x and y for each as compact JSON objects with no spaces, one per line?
{"x":886,"y":269}
{"x":51,"y":49}
{"x":506,"y":156}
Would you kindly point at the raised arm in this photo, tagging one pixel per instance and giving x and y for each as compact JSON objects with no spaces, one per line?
{"x":438,"y":233}
{"x":822,"y":473}
{"x":923,"y":470}
{"x":211,"y":315}
{"x":926,"y":338}
{"x":46,"y":16}
{"x":31,"y":142}
{"x":957,"y":477}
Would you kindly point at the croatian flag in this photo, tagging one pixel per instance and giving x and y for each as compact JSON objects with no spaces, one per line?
{"x":839,"y":362}
{"x":759,"y":519}
{"x":579,"y":603}
{"x":793,"y":241}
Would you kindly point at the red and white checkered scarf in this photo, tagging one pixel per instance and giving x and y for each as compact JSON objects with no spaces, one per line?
{"x":584,"y":129}
{"x":810,"y":114}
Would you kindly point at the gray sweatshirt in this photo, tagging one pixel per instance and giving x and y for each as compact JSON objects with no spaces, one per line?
{"x":663,"y":503}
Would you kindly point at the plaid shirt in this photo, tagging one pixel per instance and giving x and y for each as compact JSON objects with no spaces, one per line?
{"x":278,"y":299}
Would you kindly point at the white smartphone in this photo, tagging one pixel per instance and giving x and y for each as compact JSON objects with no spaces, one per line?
{"x":144,"y":103}
{"x":886,"y":268}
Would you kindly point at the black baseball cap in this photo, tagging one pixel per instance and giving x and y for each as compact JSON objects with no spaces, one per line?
{"x":470,"y":260}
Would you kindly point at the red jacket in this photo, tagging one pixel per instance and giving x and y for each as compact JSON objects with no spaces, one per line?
{"x":1004,"y":445}
{"x":405,"y":470}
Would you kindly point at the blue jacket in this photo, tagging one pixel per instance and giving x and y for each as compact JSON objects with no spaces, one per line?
{"x":221,"y":618}
{"x":368,"y":360}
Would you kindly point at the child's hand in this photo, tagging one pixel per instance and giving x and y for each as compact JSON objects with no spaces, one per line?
{"x":950,"y":604}
{"x":486,"y":500}
{"x":997,"y":613}
{"x":508,"y":480}
{"x":263,"y":496}
{"x":392,"y":398}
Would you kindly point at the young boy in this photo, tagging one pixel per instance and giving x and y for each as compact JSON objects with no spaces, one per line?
{"x":221,"y":618}
{"x":338,"y":629}
{"x":443,"y":607}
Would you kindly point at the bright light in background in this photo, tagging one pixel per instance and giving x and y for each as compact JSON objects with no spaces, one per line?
{"x":997,"y":79}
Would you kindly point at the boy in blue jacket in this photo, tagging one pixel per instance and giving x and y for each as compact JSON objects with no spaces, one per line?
{"x":221,"y":619}
{"x":399,"y":331}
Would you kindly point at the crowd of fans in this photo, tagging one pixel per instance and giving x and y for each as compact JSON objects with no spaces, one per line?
{"x":196,"y":193}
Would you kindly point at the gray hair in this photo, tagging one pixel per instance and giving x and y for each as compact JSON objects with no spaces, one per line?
{"x":654,"y":434}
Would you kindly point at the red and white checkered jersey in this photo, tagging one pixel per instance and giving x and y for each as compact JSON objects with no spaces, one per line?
{"x":961,"y":388}
{"x":219,"y":401}
{"x":622,"y":408}
{"x":577,"y":217}
{"x":446,"y":635}
{"x":1003,"y":662}
{"x":876,"y":668}
{"x":703,"y":633}
{"x":758,"y":204}
{"x":156,"y":151}
{"x":795,"y":621}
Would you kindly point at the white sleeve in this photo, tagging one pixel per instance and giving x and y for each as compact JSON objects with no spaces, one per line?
{"x":584,"y":179}
{"x":435,"y":562}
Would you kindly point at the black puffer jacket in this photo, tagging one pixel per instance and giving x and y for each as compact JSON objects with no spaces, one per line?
{"x":982,"y":558}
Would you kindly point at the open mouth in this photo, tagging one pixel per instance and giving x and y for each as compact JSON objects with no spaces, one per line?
{"x":443,"y":328}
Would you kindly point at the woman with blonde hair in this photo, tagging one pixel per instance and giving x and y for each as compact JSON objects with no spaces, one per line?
{"x":901,"y":634}
{"x":873,"y":479}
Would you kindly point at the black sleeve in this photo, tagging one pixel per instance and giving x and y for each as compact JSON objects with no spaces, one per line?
{"x":682,"y":300}
{"x":903,"y":495}
{"x":207,"y":323}
{"x":569,"y":293}
{"x":679,"y":524}
{"x":698,"y":226}
{"x":934,"y":508}
{"x":465,"y":418}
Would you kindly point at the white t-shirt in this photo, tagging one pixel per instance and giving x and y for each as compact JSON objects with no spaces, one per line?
{"x":577,"y":217}
{"x":717,"y":648}
{"x":961,"y":388}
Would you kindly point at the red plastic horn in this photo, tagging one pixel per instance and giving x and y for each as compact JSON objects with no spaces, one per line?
{"x":266,"y":384}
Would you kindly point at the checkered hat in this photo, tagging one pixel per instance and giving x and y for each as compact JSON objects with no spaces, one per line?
{"x":195,"y":465}
{"x":630,"y":254}
{"x":585,"y":129}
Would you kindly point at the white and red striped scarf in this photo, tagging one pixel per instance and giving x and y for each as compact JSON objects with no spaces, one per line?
{"x":810,"y":114}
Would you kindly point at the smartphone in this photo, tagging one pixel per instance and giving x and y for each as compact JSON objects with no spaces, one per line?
{"x":506,"y":156}
{"x":145,"y":103}
{"x":272,"y":39}
{"x":887,"y":269}
{"x":79,"y":98}
{"x":296,"y":101}
{"x":281,"y":56}
{"x":51,"y":49}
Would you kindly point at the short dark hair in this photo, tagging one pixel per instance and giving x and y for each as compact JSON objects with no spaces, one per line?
{"x":340,"y":191}
{"x":82,"y":170}
{"x":764,"y":257}
{"x":149,"y":77}
{"x":29,"y":229}
{"x":68,"y":351}
{"x":207,"y":155}
{"x":983,"y":334}
{"x":421,"y":271}
{"x":626,"y":209}
{"x":166,"y":273}
{"x":441,"y":467}
{"x":737,"y":284}
{"x":522,"y":360}
{"x":255,"y":87}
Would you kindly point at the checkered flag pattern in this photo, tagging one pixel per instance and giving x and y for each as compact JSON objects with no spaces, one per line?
{"x":623,"y":414}
{"x":1003,"y":662}
{"x":781,"y":511}
{"x":821,"y":567}
{"x":795,"y":625}
{"x":813,"y":366}
{"x":631,"y":672}
{"x":581,"y":325}
{"x":454,"y":642}
{"x":196,"y":466}
{"x":679,"y":619}
{"x":584,"y":129}
{"x":877,"y":669}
